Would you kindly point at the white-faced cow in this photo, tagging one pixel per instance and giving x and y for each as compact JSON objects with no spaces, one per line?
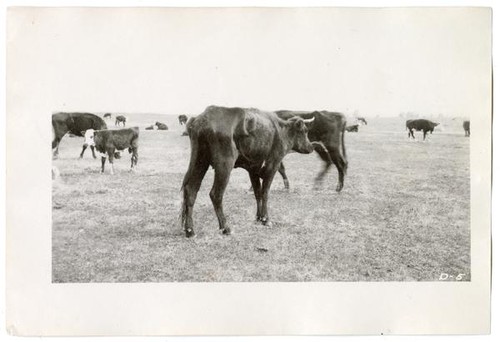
{"x":108,"y":142}
{"x":226,"y":138}
{"x":182,"y":119}
{"x":76,"y":124}
{"x":420,"y":125}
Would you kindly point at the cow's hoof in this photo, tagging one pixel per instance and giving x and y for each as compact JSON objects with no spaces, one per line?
{"x":189,"y":232}
{"x":226,"y":231}
{"x":266,"y":222}
{"x":339,"y":188}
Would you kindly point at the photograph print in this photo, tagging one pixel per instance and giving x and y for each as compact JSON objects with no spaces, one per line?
{"x":263,"y":145}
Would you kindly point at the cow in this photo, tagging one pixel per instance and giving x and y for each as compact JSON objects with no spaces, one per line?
{"x":149,"y":128}
{"x":107,"y":116}
{"x":352,"y":128}
{"x":110,"y":141}
{"x":120,"y":119}
{"x":76,"y":124}
{"x":362,"y":120}
{"x":227,"y":138}
{"x":420,"y":125}
{"x":466,"y":126}
{"x":183,"y":119}
{"x":161,"y":126}
{"x":327,"y":130}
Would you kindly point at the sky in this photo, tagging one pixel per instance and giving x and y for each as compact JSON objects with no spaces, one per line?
{"x":173,"y":61}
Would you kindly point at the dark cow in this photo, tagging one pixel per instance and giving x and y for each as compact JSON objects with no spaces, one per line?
{"x":149,"y":128}
{"x":161,"y":126}
{"x":120,"y":119}
{"x":226,"y":138}
{"x":328,"y":129}
{"x":466,"y":126}
{"x":76,"y":124}
{"x":352,"y":128}
{"x":420,"y":125}
{"x":362,"y":120}
{"x":107,"y":116}
{"x":110,"y":141}
{"x":183,"y":119}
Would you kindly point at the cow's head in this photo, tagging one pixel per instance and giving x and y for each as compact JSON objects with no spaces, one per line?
{"x":89,"y":137}
{"x":298,"y":134}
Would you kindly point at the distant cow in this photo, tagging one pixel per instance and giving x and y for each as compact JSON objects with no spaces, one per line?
{"x":183,"y":119}
{"x":76,"y":124}
{"x":420,"y":125}
{"x":226,"y":138}
{"x":362,"y":120}
{"x":107,"y":115}
{"x":352,"y":128}
{"x":466,"y":126}
{"x":328,"y":129}
{"x":152,"y":127}
{"x":120,"y":119}
{"x":110,"y":141}
{"x":161,"y":126}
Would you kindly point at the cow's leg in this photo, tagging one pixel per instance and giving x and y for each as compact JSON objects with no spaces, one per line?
{"x":135,"y":158}
{"x":191,"y":186}
{"x":411,"y":132}
{"x":84,"y":147}
{"x":257,"y":190}
{"x":103,"y":161}
{"x":341,"y":165}
{"x":323,"y":153}
{"x":92,"y":148}
{"x":223,"y":159}
{"x":425,"y":133}
{"x":267,"y":180}
{"x":111,"y":157}
{"x":282,"y":172}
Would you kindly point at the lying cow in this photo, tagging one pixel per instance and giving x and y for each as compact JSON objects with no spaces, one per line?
{"x":226,"y":138}
{"x":420,"y":125}
{"x":110,"y":141}
{"x":150,"y":128}
{"x":466,"y":126}
{"x":352,"y":128}
{"x":161,"y":126}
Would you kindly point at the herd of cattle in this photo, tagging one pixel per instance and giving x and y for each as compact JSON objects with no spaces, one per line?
{"x":226,"y":138}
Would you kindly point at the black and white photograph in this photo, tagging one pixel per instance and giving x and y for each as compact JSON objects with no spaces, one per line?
{"x":246,"y":146}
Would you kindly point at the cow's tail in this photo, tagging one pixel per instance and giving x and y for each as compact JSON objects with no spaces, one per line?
{"x":344,"y":124}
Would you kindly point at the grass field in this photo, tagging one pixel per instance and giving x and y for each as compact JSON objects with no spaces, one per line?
{"x":403,"y":214}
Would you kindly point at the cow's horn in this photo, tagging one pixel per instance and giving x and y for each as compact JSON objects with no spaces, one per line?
{"x":309,"y":120}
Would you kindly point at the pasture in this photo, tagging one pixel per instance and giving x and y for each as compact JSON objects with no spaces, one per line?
{"x":403,"y":214}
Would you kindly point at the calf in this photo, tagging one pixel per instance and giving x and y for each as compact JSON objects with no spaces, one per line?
{"x":120,"y":119}
{"x":110,"y":141}
{"x":161,"y":126}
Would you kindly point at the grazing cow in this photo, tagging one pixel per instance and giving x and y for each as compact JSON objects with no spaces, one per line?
{"x":362,"y":120}
{"x":161,"y":126}
{"x":466,"y":126}
{"x":120,"y":118}
{"x":110,"y":141}
{"x":107,"y":116}
{"x":352,"y":128}
{"x":183,"y":119}
{"x":226,"y":138}
{"x":76,"y":124}
{"x":420,"y":125}
{"x":327,"y":129}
